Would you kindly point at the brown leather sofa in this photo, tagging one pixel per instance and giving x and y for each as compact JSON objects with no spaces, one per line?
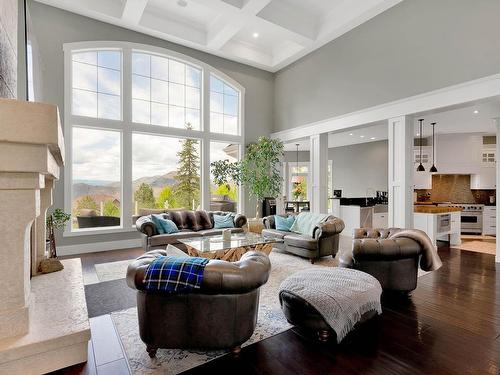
{"x":190,"y":223}
{"x":220,"y":315}
{"x":392,"y":260}
{"x":325,"y":240}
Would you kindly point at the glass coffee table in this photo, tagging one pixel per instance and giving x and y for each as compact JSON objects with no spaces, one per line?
{"x":214,"y":247}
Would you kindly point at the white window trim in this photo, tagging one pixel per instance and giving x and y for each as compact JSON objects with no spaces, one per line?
{"x":127,"y":127}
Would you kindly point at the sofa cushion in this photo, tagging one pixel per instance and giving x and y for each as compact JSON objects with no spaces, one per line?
{"x":195,"y":220}
{"x":165,"y":239}
{"x":284,"y":223}
{"x":163,"y":225}
{"x":223,"y":221}
{"x":274,"y":233}
{"x":301,"y":240}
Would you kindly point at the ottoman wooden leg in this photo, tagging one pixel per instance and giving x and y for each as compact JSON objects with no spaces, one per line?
{"x":151,"y":350}
{"x":323,"y":335}
{"x":236,"y":351}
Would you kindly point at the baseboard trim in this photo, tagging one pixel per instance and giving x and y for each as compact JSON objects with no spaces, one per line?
{"x":95,"y":247}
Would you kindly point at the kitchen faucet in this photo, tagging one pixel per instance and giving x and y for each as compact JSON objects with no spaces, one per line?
{"x":368,"y":191}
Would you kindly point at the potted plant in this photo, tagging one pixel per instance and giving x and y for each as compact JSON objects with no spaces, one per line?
{"x":57,"y":220}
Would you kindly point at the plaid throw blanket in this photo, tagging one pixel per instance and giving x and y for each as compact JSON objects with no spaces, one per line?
{"x":175,"y":274}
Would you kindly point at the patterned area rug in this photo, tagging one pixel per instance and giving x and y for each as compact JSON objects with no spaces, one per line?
{"x":271,"y":321}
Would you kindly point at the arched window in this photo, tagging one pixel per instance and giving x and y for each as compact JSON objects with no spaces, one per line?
{"x":142,"y":126}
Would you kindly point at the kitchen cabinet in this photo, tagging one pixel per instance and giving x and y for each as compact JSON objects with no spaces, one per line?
{"x":380,"y":220}
{"x":422,"y":180}
{"x":489,"y":220}
{"x":439,"y":226}
{"x":485,"y":179}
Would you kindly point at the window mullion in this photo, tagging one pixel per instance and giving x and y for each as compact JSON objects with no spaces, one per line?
{"x":126,"y":154}
{"x":205,"y":158}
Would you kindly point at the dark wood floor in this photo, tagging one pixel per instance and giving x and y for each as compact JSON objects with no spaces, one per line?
{"x":450,"y":325}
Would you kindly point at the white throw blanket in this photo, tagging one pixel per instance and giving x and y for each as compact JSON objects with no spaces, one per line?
{"x":306,"y":222}
{"x":341,"y":295}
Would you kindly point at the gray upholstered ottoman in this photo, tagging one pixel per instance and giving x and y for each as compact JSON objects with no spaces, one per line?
{"x":330,"y":300}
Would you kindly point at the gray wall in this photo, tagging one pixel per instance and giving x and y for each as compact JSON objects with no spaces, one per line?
{"x":414,"y":47}
{"x":54,"y":27}
{"x":356,"y":167}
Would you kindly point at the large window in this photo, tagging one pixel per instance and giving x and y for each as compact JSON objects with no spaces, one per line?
{"x":97,"y":84}
{"x":139,"y":122}
{"x":224,"y":107}
{"x":165,"y":172}
{"x":225,"y":197}
{"x":96,"y":188}
{"x":165,"y":92}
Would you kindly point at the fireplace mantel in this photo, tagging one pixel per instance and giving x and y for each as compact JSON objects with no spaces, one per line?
{"x":31,"y":155}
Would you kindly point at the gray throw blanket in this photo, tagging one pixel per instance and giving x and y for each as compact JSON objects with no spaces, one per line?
{"x":341,"y":295}
{"x":430,"y":260}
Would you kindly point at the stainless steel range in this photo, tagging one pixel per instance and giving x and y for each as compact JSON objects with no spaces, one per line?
{"x":471,"y":217}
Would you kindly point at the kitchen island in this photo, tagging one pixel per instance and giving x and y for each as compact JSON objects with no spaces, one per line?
{"x":440,"y":223}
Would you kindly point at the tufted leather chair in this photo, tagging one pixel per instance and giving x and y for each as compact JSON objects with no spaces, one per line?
{"x":393,"y":261}
{"x":220,"y":315}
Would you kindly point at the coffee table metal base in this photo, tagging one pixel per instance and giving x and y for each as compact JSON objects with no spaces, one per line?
{"x":230,"y":255}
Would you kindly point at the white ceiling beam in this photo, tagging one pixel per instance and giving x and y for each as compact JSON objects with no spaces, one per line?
{"x":231,"y":20}
{"x":133,"y":10}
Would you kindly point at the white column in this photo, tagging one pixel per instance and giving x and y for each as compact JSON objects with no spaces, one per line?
{"x":400,"y":172}
{"x":319,"y":172}
{"x":497,"y":171}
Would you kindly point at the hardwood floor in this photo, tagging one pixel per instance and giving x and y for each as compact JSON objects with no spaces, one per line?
{"x":450,"y":325}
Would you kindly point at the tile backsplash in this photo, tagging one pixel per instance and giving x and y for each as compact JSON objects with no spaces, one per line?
{"x":453,"y":188}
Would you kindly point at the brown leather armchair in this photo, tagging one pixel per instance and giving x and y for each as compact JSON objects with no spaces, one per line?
{"x":324,"y":242}
{"x":391,"y":259}
{"x":220,"y":315}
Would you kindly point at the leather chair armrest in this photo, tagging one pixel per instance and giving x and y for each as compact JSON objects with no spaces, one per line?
{"x":329,"y":228}
{"x":240,"y":220}
{"x":219,"y":277}
{"x":145,"y":225}
{"x":384,"y":249}
{"x":268,"y":222}
{"x":245,"y":275}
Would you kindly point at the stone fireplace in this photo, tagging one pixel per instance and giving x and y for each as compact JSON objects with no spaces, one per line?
{"x":43,"y":319}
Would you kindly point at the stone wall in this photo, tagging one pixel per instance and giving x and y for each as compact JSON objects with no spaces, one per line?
{"x":8,"y":48}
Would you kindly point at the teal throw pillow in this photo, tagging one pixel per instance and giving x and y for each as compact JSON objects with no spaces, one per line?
{"x":164,"y":226}
{"x":223,"y":221}
{"x":284,"y":223}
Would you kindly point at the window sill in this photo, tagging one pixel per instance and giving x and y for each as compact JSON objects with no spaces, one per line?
{"x":94,"y":231}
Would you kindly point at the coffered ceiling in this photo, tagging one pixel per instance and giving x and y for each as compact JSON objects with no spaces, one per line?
{"x":268,"y":34}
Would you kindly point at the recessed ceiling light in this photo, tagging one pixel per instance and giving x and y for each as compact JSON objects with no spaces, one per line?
{"x":361,"y":136}
{"x":255,"y":35}
{"x":476,"y":112}
{"x":350,"y":133}
{"x":372,"y":138}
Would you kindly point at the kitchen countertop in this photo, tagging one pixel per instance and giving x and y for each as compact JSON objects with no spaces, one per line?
{"x":427,"y":209}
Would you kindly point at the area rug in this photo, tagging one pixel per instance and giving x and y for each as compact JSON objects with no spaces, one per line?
{"x":271,"y":321}
{"x":484,"y":246}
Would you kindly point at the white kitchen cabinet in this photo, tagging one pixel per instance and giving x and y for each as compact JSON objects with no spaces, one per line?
{"x":485,"y":179}
{"x":380,"y":220}
{"x":422,"y":180}
{"x":436,"y":229}
{"x":489,"y":220}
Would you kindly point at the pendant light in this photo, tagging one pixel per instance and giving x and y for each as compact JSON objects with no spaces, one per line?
{"x":295,"y":179}
{"x":420,"y":167}
{"x":433,"y":168}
